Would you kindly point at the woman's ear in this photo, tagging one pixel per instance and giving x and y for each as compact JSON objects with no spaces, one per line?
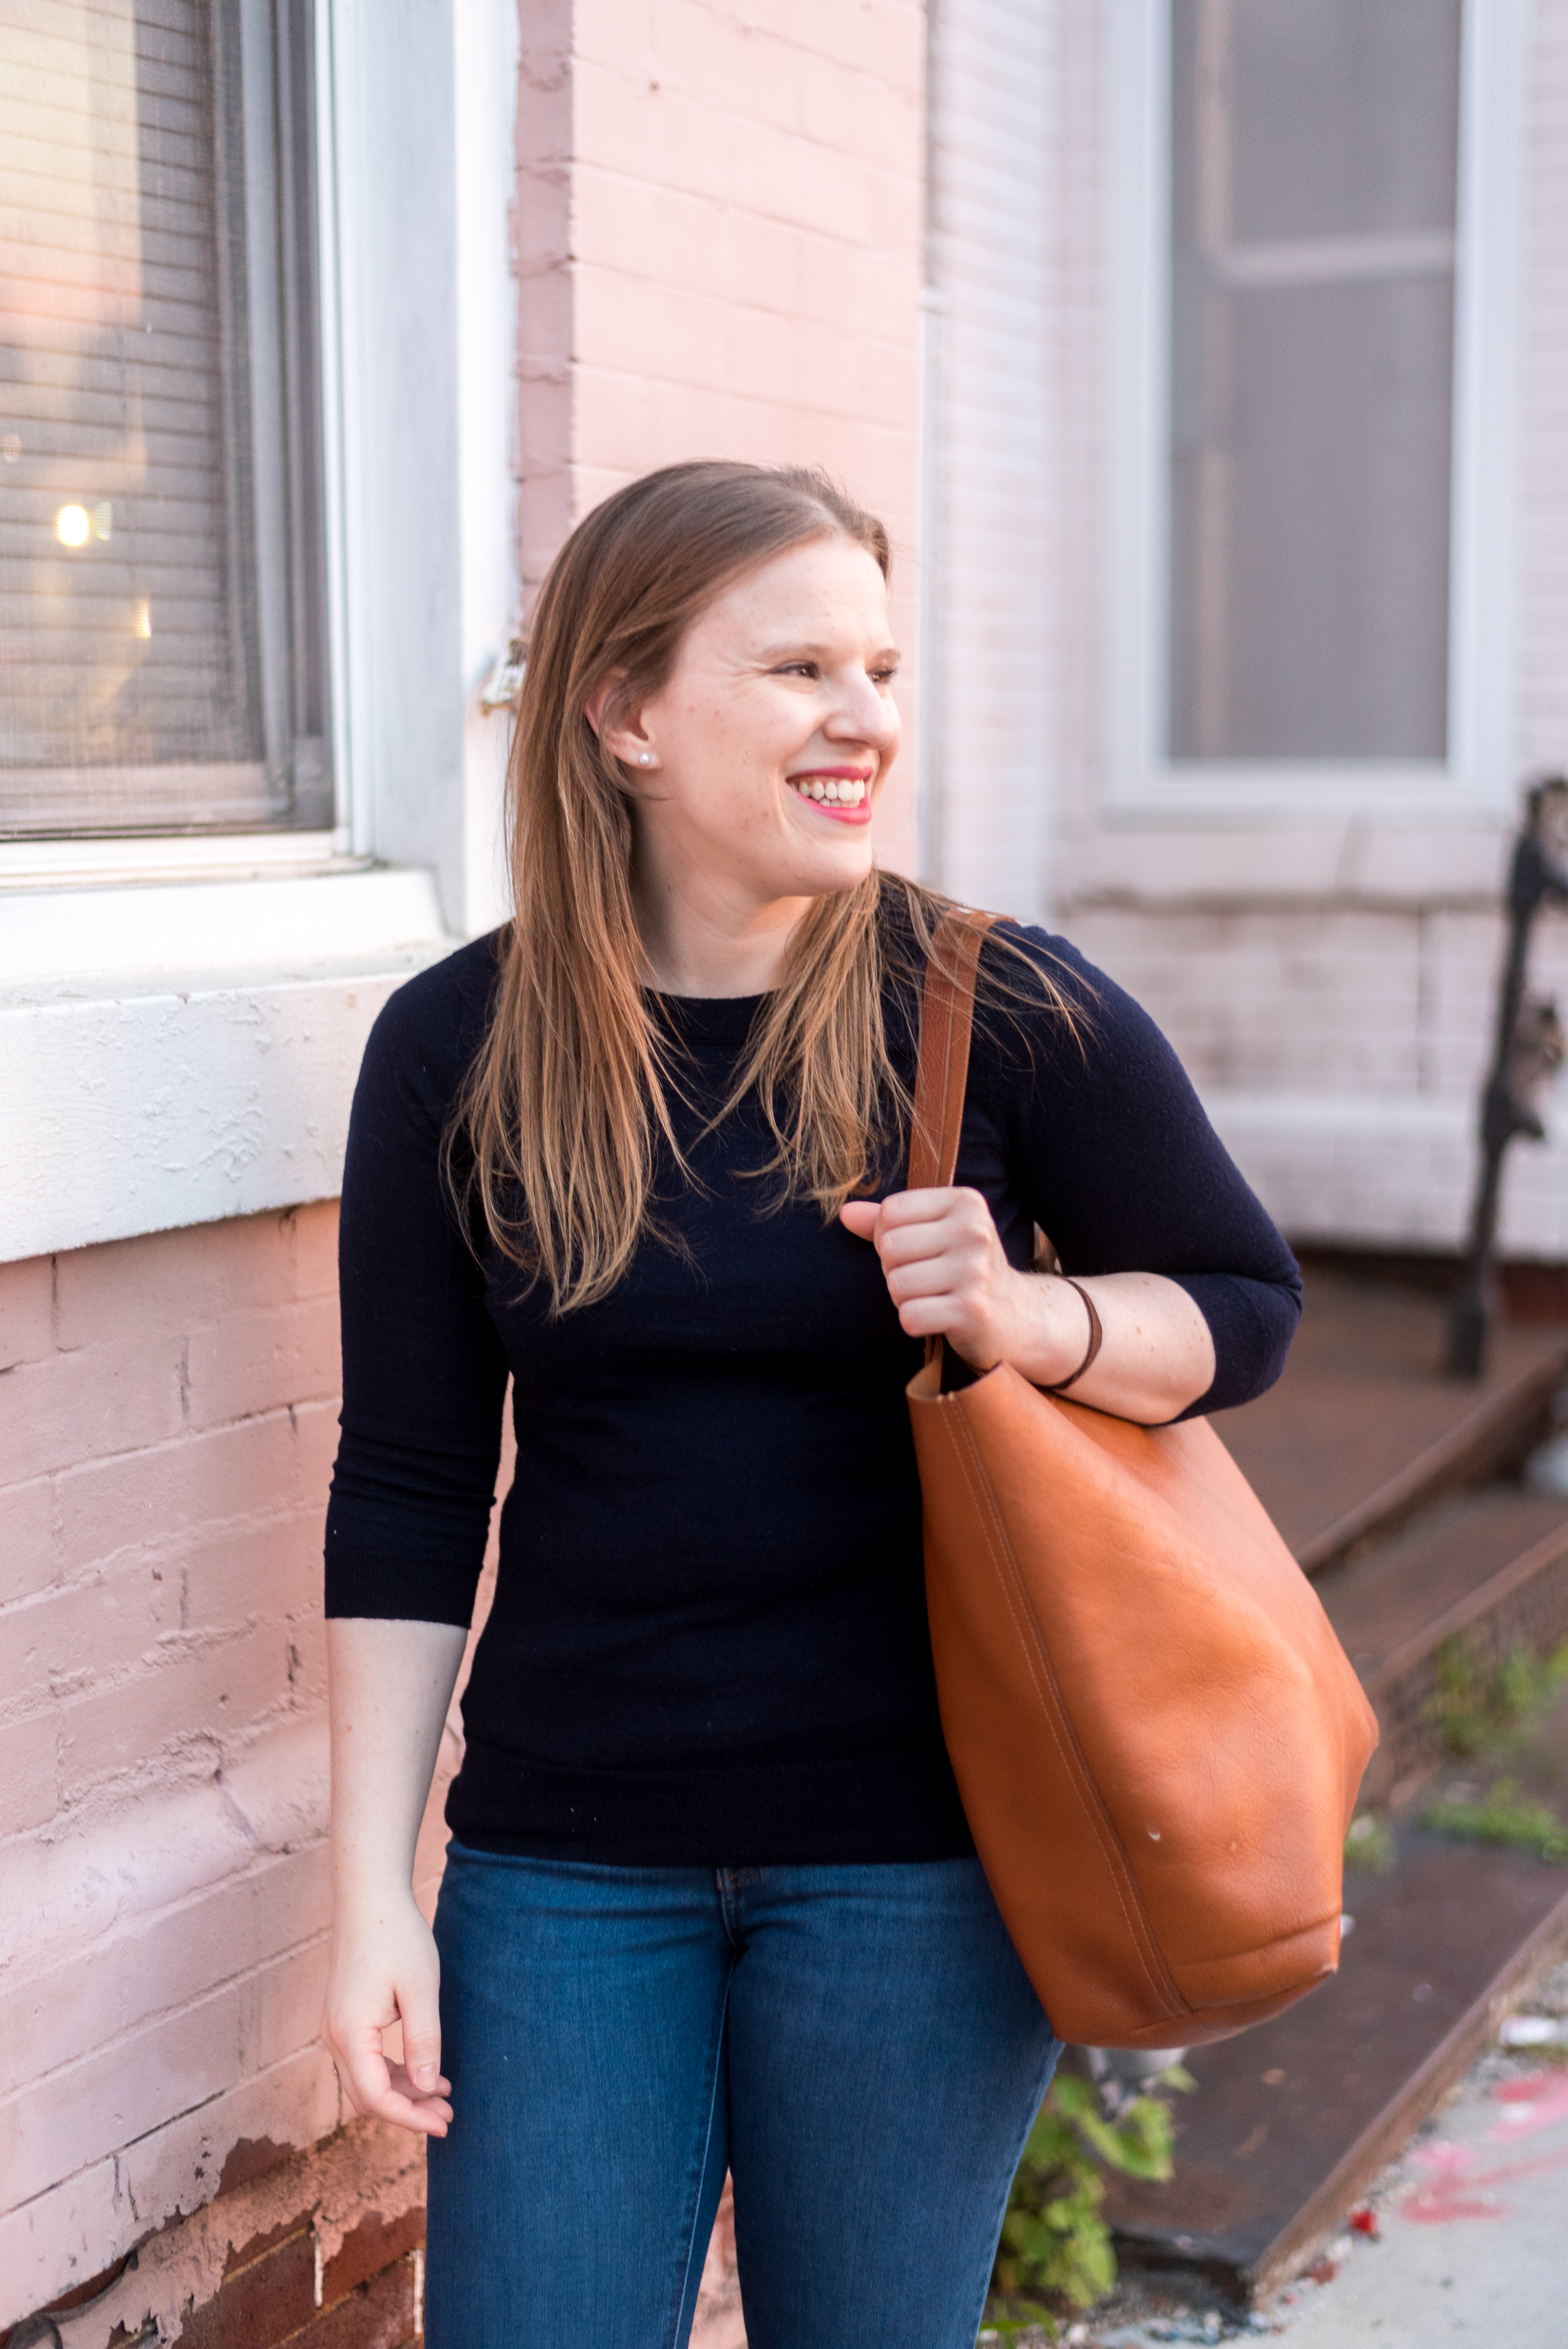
{"x":622,"y":736}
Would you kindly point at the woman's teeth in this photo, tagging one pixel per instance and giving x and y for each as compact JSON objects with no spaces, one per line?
{"x":841,"y":793}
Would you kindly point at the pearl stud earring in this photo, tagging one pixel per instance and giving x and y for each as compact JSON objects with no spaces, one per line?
{"x":647,"y":758}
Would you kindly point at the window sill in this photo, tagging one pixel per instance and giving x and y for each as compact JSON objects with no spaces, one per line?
{"x":1162,"y":865}
{"x":179,"y":1052}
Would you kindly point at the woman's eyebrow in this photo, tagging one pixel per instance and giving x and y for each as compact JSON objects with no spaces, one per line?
{"x":791,"y":648}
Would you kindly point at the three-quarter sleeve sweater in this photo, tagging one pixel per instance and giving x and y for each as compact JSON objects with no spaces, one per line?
{"x":707,"y":1644}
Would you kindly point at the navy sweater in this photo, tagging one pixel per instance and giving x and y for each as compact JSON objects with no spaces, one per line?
{"x":708,"y":1642}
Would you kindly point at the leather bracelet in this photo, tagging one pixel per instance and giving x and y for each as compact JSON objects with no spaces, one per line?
{"x":1096,"y":1337}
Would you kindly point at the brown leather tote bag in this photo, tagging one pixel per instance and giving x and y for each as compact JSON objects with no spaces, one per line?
{"x":1156,"y":1735}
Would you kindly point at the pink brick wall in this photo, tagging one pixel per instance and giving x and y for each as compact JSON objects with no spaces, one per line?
{"x":171,"y":1416}
{"x":731,"y":266}
{"x":170,"y":1412}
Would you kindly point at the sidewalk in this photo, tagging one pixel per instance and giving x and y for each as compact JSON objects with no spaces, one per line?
{"x":1471,"y":2241}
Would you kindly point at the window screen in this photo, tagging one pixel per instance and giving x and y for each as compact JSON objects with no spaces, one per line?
{"x":162,"y":580}
{"x":1315,"y":169}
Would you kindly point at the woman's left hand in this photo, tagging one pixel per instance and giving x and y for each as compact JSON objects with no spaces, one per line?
{"x":948,"y":1276}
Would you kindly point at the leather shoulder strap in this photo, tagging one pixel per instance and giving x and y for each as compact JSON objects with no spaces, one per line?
{"x":947,"y":1021}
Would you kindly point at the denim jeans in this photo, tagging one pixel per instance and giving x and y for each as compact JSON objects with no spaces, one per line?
{"x":859,"y":2045}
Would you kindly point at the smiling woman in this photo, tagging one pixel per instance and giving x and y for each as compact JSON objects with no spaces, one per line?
{"x":769,"y":741}
{"x":711,"y":1902}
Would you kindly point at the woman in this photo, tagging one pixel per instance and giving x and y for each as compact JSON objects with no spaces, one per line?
{"x":711,"y":1902}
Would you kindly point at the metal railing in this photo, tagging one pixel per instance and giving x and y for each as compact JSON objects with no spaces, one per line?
{"x":1529,"y":1048}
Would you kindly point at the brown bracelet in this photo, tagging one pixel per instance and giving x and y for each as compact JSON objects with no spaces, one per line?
{"x":1096,"y":1335}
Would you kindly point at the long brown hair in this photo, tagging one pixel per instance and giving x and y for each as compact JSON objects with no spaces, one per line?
{"x":563,"y":1111}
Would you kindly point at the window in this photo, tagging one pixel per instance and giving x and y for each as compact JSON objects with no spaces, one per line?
{"x":1315,"y":225}
{"x":1313,"y":163}
{"x":163,"y":659}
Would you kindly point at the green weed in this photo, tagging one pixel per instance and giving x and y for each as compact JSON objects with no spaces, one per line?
{"x":1505,"y":1817}
{"x":1369,"y":1845}
{"x":1476,"y":1706}
{"x":1054,"y":2244}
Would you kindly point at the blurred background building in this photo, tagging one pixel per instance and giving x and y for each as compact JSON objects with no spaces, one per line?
{"x":1206,"y":360}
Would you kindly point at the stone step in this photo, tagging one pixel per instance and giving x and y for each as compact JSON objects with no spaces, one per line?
{"x":1488,"y":1567}
{"x":1387,"y":1480}
{"x":1364,"y":1431}
{"x":1291,"y":2121}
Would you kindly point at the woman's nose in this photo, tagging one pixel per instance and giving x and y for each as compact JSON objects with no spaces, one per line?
{"x":863,"y":715}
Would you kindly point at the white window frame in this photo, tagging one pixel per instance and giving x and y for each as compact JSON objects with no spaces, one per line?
{"x":1142,"y":786}
{"x":182,"y":1015}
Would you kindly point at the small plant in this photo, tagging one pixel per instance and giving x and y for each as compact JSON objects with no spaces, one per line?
{"x":1369,"y":1845}
{"x":1054,"y":2244}
{"x":1504,"y":1817}
{"x":1476,"y":1707}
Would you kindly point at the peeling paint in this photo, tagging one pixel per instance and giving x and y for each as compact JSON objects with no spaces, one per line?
{"x":367,"y":2172}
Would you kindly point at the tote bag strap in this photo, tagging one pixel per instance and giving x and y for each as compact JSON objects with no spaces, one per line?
{"x":942,"y":1071}
{"x":947,"y":1021}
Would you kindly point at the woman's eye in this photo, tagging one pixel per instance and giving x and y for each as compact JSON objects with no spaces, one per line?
{"x":796,"y":669}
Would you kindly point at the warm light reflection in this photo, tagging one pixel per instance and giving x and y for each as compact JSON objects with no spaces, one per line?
{"x":72,"y":527}
{"x":141,"y":624}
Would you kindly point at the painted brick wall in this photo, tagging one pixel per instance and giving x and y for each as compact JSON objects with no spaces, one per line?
{"x":170,"y":1409}
{"x":728,"y":265}
{"x":171,"y":1416}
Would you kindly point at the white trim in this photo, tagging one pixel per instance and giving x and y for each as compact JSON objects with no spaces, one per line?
{"x":487,"y":36}
{"x":104,"y":860}
{"x":1492,"y":135}
{"x":1421,"y":866}
{"x":1142,"y":785}
{"x":341,"y":167}
{"x":54,"y":939}
{"x":152,"y":1105}
{"x":330,"y":289}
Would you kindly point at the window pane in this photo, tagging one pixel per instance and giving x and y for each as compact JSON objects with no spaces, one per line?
{"x":1314,"y":175}
{"x":161,"y":602}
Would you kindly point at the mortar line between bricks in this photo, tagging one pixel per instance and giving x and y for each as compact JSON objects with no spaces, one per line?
{"x":129,"y":1558}
{"x":166,"y":1653}
{"x":118,"y":2153}
{"x":305,"y":2225}
{"x":362,"y":2290}
{"x":94,"y":1792}
{"x":235,"y":1879}
{"x":181,"y":1440}
{"x":60,"y":2073}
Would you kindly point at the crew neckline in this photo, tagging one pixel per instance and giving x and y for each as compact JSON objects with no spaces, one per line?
{"x":708,"y":1019}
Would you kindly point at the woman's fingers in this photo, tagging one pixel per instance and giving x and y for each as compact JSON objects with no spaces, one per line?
{"x":943,"y":1262}
{"x":383,"y":1973}
{"x":383,"y":2091}
{"x":913,"y":1224}
{"x":362,"y":2066}
{"x":418,"y":2003}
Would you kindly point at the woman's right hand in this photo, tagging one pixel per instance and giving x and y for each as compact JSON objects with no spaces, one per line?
{"x":385,"y":1970}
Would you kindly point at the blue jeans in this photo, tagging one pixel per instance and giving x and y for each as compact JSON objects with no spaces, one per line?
{"x":859,"y":2045}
